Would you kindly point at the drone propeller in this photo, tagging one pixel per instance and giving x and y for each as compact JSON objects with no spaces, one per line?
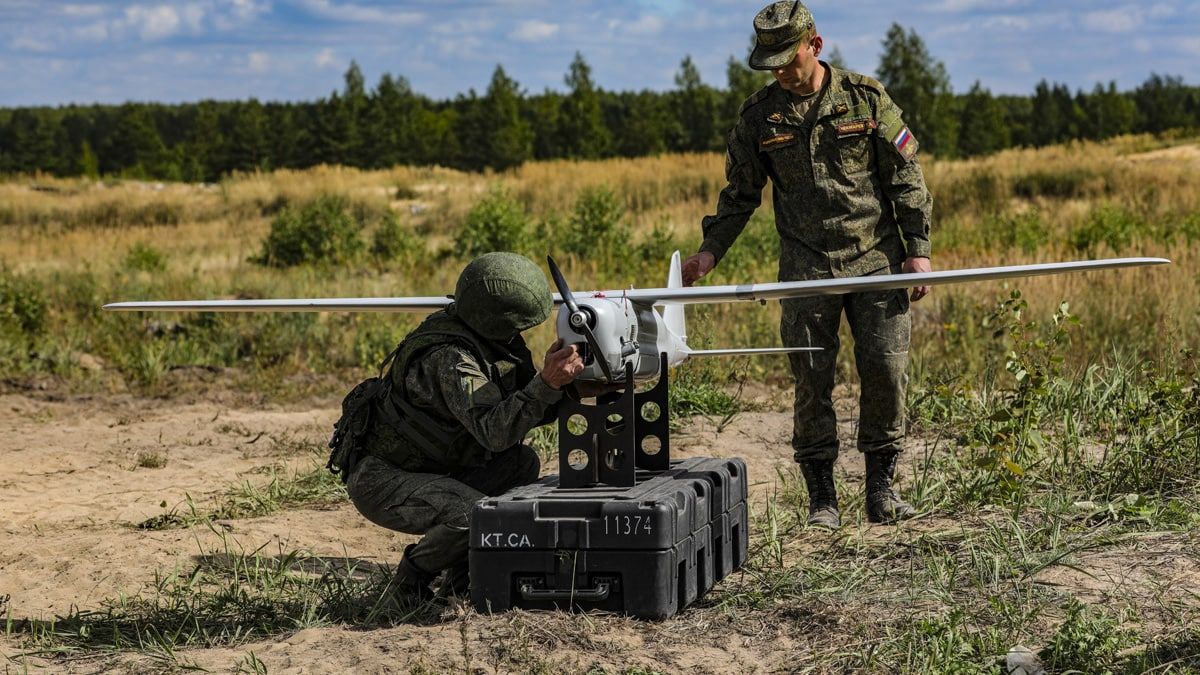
{"x":578,"y":318}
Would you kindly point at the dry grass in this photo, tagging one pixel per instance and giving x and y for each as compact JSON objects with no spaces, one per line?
{"x":1133,"y":195}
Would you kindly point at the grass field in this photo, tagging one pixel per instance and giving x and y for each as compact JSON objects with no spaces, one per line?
{"x":1055,"y":421}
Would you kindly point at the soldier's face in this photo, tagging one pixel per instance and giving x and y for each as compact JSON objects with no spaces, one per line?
{"x":797,"y":75}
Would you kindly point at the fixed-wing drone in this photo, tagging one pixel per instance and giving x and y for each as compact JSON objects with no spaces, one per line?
{"x":621,"y":328}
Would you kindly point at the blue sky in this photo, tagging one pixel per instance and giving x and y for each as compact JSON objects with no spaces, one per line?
{"x":58,"y":52}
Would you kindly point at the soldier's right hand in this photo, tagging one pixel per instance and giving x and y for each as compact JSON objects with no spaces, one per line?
{"x":562,"y":365}
{"x":697,"y":266}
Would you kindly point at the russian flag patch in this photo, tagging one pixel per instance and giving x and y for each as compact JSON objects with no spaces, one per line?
{"x":906,"y":144}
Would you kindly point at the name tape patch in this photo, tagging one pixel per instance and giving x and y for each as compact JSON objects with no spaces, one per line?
{"x":855,"y":127}
{"x":778,"y":139}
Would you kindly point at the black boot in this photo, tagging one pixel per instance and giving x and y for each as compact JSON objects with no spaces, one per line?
{"x":410,"y":584}
{"x":456,"y":581}
{"x":883,"y":504}
{"x":822,"y":495}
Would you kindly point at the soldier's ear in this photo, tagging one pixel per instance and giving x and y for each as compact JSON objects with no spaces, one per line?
{"x":817,"y":43}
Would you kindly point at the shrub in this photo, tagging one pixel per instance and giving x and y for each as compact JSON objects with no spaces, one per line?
{"x":143,"y":257}
{"x":596,"y":225}
{"x":321,"y":231}
{"x":392,"y":240}
{"x":22,"y":303}
{"x":1110,"y":225}
{"x":1058,"y":184}
{"x":496,"y":223}
{"x":1025,"y":231}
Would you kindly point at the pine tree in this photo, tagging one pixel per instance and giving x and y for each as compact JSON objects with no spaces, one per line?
{"x":584,"y":135}
{"x":544,"y":114}
{"x":695,"y":106}
{"x":643,"y":125}
{"x":920,"y":85}
{"x":508,"y":136}
{"x":1107,"y":112}
{"x":246,"y":131}
{"x":982,"y":128}
{"x":1162,"y":104}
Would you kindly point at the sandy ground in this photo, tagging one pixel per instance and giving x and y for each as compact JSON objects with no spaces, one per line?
{"x":73,"y":491}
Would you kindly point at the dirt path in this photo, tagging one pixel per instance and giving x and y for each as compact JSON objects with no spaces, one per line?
{"x":81,"y":474}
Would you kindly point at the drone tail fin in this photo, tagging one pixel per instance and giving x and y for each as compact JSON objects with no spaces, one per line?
{"x":673,"y":313}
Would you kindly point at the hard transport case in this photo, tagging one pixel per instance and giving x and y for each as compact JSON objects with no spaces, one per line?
{"x":648,"y":550}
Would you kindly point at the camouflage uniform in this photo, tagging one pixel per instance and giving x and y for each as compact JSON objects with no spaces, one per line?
{"x":850,"y":200}
{"x":467,"y":380}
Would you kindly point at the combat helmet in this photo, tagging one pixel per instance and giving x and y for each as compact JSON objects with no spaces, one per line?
{"x":501,"y":294}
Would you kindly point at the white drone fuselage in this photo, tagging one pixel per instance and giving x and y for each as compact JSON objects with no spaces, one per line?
{"x":627,"y":332}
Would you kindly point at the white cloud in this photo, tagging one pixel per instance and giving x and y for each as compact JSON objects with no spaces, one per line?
{"x":969,"y":5}
{"x":534,"y":31}
{"x":258,"y":62}
{"x":153,"y":23}
{"x":461,"y":26}
{"x":647,"y":24}
{"x":1190,"y":45}
{"x":326,"y":58}
{"x":1119,"y":20}
{"x":32,"y":44}
{"x":1007,"y":22}
{"x":193,"y":17}
{"x":93,"y":32}
{"x":81,"y":11}
{"x":360,"y":14}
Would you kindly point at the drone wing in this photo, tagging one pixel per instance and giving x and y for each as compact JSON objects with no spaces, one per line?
{"x":799,"y":289}
{"x":413,"y":304}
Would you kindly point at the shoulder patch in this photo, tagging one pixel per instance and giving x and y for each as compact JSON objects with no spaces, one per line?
{"x":905,"y":143}
{"x":755,"y":98}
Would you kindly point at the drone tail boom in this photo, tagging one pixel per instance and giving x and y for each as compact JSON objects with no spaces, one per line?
{"x":750,"y":351}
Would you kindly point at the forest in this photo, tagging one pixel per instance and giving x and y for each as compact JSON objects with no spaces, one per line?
{"x":391,"y":124}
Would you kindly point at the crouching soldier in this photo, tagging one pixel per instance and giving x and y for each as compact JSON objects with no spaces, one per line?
{"x":443,"y":425}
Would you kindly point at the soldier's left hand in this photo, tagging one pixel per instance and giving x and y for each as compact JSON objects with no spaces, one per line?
{"x":917,"y":266}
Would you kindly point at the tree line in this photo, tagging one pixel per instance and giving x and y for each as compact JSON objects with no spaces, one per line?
{"x":391,"y":124}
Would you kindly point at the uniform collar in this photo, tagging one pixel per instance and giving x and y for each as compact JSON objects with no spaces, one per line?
{"x":835,"y":100}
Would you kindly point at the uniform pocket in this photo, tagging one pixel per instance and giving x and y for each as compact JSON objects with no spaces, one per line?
{"x":853,"y":138}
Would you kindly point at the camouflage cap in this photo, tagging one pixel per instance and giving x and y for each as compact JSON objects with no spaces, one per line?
{"x":778,"y":30}
{"x":501,"y":294}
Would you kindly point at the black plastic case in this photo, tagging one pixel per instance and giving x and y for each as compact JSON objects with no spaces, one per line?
{"x":648,"y":550}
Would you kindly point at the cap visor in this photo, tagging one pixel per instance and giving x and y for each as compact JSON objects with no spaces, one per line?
{"x":774,"y":57}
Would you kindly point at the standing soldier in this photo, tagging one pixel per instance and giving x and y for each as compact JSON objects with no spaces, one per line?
{"x":850,"y":200}
{"x":444,"y":424}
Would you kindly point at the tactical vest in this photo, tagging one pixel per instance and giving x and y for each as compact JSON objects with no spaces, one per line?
{"x":430,"y":441}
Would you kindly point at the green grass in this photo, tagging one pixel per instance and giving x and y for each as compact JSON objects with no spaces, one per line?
{"x":231,"y":596}
{"x":313,"y":486}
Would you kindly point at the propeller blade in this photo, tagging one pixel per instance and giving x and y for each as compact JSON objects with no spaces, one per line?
{"x":579,"y":318}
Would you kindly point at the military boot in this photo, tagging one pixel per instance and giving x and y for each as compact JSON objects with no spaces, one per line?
{"x":456,"y":581}
{"x":410,"y":584}
{"x":822,"y":495}
{"x":883,"y":504}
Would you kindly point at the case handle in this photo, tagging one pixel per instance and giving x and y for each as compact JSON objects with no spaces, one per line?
{"x":597,"y":594}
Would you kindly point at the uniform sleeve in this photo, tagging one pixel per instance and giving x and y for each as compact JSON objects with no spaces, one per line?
{"x":746,"y":178}
{"x":901,"y":177}
{"x":476,"y":402}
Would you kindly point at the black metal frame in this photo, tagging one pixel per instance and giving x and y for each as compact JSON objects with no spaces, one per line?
{"x":614,"y":446}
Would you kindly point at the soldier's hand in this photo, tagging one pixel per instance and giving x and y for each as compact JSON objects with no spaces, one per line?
{"x":697,"y":266}
{"x":562,"y":365}
{"x":916,"y":266}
